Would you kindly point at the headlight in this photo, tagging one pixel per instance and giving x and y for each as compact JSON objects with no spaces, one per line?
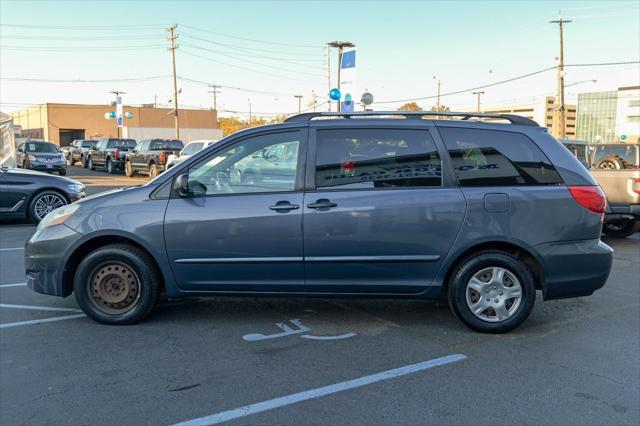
{"x":76,"y":187}
{"x":58,"y":216}
{"x":32,"y":157}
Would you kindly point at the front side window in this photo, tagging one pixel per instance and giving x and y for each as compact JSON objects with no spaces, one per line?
{"x":265,"y":163}
{"x":496,"y":158}
{"x":376,"y":158}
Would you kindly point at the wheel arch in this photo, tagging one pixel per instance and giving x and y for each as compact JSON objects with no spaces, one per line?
{"x":79,"y":252}
{"x":524,"y":254}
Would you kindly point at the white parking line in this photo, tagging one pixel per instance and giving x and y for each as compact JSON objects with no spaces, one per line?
{"x":259,"y":407}
{"x":13,"y":285}
{"x":40,"y":321}
{"x":12,"y":248}
{"x":38,"y":308}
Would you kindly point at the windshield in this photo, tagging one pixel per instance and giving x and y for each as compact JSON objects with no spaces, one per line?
{"x":45,"y":147}
{"x":192,"y":148}
{"x":168,"y":144}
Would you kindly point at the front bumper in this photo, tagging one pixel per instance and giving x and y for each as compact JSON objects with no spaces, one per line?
{"x":48,"y":167}
{"x":45,"y":256}
{"x":574,"y":268}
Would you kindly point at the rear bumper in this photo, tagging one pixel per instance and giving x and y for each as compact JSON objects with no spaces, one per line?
{"x":574,"y":268}
{"x":620,"y":212}
{"x":45,"y":258}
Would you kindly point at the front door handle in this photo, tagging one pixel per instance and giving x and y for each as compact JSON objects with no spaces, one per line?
{"x":284,"y":206}
{"x":322,"y":203}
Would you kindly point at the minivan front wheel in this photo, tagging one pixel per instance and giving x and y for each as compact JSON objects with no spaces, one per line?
{"x":117,"y":284}
{"x":492,"y":292}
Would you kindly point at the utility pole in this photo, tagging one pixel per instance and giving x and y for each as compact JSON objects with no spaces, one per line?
{"x":478,"y":93}
{"x":172,"y":47}
{"x":329,"y":73}
{"x":438,"y":102}
{"x":299,"y":97}
{"x":117,"y":93}
{"x":249,"y":111}
{"x":340,"y":45}
{"x":561,"y":110}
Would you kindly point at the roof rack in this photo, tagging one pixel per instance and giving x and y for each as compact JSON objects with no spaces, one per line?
{"x":513,"y":119}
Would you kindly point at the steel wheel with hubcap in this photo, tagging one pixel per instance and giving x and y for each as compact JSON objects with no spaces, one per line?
{"x":44,"y":203}
{"x":493,"y":294}
{"x":492,"y":291}
{"x":109,"y":166}
{"x":128,"y":170}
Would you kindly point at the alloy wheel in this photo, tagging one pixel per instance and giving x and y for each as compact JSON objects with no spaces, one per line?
{"x":46,"y":203}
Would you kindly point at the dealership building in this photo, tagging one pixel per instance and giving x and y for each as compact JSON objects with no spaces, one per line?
{"x":63,"y":123}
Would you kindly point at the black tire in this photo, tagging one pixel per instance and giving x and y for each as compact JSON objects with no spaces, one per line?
{"x":35,"y":214}
{"x":90,"y":165}
{"x":24,"y":164}
{"x":84,"y":161}
{"x":610,"y":163}
{"x":620,"y":228}
{"x":128,"y":169}
{"x":153,"y":170}
{"x":478,"y":262}
{"x":138,"y":261}
{"x":62,"y":172}
{"x":109,"y":166}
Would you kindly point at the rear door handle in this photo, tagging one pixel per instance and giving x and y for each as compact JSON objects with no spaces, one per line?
{"x":284,"y":206}
{"x":322,"y":203}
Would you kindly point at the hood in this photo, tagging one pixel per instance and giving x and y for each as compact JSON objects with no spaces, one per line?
{"x":45,"y":176}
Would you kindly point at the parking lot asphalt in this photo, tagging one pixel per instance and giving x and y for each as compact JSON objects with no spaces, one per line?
{"x":574,"y":361}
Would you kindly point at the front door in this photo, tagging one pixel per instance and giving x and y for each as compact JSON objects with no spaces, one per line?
{"x":379,"y":219}
{"x":240,"y":228}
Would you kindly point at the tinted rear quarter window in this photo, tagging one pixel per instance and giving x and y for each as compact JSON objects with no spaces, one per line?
{"x":497,"y":158}
{"x":376,"y":158}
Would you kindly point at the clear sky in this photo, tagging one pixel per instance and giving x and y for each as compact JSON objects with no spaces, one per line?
{"x":278,"y":47}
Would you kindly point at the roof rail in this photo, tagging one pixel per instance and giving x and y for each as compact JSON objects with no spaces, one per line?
{"x":513,"y":119}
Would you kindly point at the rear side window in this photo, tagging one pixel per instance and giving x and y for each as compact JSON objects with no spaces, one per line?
{"x":88,"y":144}
{"x":165,"y":144}
{"x":376,"y":158}
{"x":495,"y":158}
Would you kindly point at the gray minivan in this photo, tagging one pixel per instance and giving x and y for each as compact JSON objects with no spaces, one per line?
{"x":467,"y":208}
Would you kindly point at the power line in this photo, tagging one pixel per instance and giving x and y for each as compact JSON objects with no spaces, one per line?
{"x":85,"y":27}
{"x":250,"y":39}
{"x":236,"y":46}
{"x":108,"y":80}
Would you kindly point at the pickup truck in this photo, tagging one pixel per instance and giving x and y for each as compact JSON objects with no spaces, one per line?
{"x":616,"y":168}
{"x":109,"y":153}
{"x":77,"y":150}
{"x":150,"y":156}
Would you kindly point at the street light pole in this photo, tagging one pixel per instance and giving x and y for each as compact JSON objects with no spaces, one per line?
{"x":478,"y":93}
{"x":340,"y":45}
{"x":117,"y":93}
{"x":438,"y":82}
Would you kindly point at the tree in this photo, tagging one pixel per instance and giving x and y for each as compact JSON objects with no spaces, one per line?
{"x":410,"y":106}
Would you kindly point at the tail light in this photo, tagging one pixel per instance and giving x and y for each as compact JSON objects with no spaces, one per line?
{"x":635,"y":186}
{"x":162,"y":158}
{"x":117,"y":154}
{"x":589,"y":197}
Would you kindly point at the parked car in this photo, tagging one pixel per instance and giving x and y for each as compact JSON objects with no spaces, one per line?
{"x":616,"y":168}
{"x":77,"y":152}
{"x":33,"y":195}
{"x":41,"y":155}
{"x":482,"y":214}
{"x":109,"y":154}
{"x":189,"y":149}
{"x":150,"y":156}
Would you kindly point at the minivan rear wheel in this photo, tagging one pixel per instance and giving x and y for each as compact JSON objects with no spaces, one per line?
{"x":117,"y":284}
{"x":492,"y":292}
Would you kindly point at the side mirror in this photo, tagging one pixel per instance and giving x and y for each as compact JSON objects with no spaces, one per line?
{"x":181,"y":185}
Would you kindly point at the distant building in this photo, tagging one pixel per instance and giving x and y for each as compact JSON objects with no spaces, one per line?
{"x":543,"y":113}
{"x":62,"y":123}
{"x":612,"y":116}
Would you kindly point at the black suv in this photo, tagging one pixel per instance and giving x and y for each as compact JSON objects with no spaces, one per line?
{"x":150,"y":156}
{"x":110,"y":154}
